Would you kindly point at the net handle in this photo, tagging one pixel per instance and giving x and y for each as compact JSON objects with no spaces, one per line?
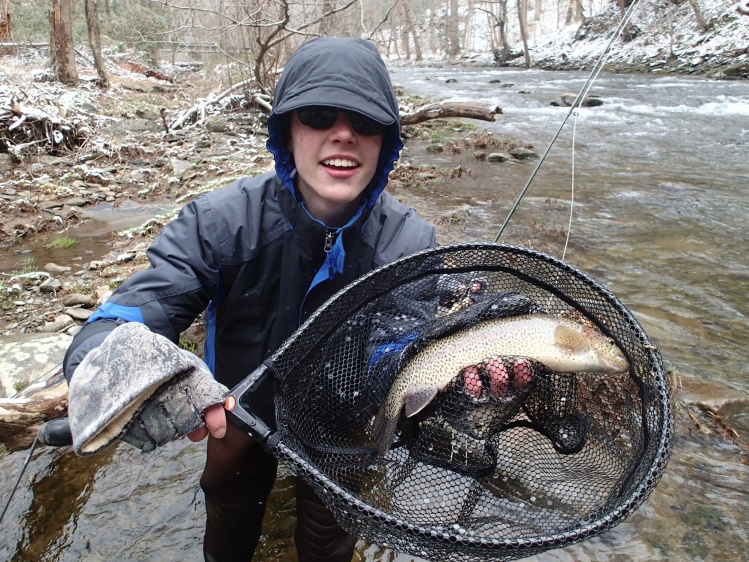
{"x":237,"y":405}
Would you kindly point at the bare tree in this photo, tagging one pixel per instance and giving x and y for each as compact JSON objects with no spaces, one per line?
{"x":94,"y":39}
{"x":498,"y":21}
{"x":574,"y":12}
{"x":453,"y":22}
{"x":523,"y":22}
{"x":698,"y":14}
{"x":6,"y":36}
{"x":61,"y":43}
{"x":432,"y":27}
{"x":410,"y":29}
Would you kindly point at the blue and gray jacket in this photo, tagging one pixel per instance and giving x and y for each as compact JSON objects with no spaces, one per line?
{"x":252,"y":259}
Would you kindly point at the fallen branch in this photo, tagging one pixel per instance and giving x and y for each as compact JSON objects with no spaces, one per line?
{"x":27,"y":129}
{"x":22,"y":416}
{"x":443,"y":110}
{"x":200,"y":108}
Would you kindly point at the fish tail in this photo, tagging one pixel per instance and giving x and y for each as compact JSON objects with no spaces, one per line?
{"x":384,"y":430}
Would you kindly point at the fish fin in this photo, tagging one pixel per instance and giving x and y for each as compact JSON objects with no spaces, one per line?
{"x":420,"y":399}
{"x":383,"y":430}
{"x":570,"y":340}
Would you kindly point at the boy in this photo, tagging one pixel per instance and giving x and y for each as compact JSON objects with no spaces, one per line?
{"x":257,"y":257}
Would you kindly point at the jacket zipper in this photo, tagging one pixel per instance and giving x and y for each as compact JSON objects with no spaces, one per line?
{"x":330,"y":236}
{"x":329,"y":240}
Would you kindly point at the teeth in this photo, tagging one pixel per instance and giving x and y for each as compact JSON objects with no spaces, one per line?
{"x":340,"y":163}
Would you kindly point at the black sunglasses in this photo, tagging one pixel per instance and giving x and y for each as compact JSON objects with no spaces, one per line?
{"x":322,"y":118}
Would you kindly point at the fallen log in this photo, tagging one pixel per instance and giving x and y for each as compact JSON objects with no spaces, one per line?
{"x":23,"y":415}
{"x":444,"y":110}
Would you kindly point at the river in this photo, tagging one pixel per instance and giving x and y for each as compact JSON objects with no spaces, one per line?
{"x":661,"y":200}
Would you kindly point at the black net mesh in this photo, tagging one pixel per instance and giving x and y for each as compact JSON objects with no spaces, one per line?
{"x":510,"y":457}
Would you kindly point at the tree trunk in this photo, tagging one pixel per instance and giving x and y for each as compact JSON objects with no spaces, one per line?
{"x":698,"y":14}
{"x":410,"y":29}
{"x":5,"y":30}
{"x":94,"y":39}
{"x":61,"y":43}
{"x":432,"y":28}
{"x":503,"y":32}
{"x":523,"y":18}
{"x":454,"y":30}
{"x":580,"y":11}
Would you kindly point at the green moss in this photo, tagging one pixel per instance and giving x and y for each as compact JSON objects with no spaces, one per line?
{"x":63,"y":242}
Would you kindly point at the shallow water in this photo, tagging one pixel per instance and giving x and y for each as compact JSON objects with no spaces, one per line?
{"x":93,"y":237}
{"x":661,"y":185}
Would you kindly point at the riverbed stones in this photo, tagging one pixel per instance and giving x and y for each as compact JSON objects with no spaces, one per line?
{"x":567,"y":99}
{"x":179,"y":167}
{"x":26,"y":357}
{"x":79,"y":314}
{"x":77,"y":299}
{"x":77,"y":202}
{"x":521,"y":153}
{"x":499,"y":157}
{"x":50,"y":285}
{"x":54,"y":268}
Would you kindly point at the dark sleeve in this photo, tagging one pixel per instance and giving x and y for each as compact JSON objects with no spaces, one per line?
{"x":169,"y":295}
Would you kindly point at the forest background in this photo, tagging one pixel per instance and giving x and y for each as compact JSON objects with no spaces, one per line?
{"x":252,"y":39}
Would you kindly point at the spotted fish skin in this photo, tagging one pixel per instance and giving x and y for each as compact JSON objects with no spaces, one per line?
{"x":562,"y":344}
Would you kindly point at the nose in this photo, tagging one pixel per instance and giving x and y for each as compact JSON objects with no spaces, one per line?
{"x":342,"y":129}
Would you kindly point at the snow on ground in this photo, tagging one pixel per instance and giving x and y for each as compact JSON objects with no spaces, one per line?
{"x":668,"y":36}
{"x":669,"y":39}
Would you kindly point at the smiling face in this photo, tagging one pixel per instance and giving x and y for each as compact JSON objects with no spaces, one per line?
{"x":334,"y":167}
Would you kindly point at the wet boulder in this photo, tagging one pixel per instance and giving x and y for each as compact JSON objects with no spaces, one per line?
{"x":567,"y":99}
{"x":521,"y":153}
{"x":32,"y":385}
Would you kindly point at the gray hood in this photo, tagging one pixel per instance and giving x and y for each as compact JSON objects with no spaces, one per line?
{"x":345,"y":73}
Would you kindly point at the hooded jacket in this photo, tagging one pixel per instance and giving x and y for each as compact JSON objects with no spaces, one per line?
{"x":249,"y":256}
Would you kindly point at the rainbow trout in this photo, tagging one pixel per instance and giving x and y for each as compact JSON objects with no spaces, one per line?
{"x":562,"y":344}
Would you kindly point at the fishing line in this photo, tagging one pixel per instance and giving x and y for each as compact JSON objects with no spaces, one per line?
{"x":31,"y":450}
{"x":572,"y":188}
{"x":18,"y":480}
{"x":597,"y":67}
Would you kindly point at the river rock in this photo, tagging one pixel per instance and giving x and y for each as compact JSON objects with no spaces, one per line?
{"x":77,"y":299}
{"x":179,"y":167}
{"x":51,"y":285}
{"x":499,"y":157}
{"x":26,"y":357}
{"x":77,"y":202}
{"x":34,"y":358}
{"x":103,"y":297}
{"x":709,"y":395}
{"x":80,"y":314}
{"x":59,"y":324}
{"x":54,"y":268}
{"x":566,"y":100}
{"x":521,"y":153}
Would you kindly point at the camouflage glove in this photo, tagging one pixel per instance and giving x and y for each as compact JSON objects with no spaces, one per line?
{"x":140,"y":387}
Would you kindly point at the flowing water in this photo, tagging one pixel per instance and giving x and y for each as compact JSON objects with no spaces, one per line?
{"x":661,"y":199}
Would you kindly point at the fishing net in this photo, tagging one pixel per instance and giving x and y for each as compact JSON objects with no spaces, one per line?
{"x":510,"y":457}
